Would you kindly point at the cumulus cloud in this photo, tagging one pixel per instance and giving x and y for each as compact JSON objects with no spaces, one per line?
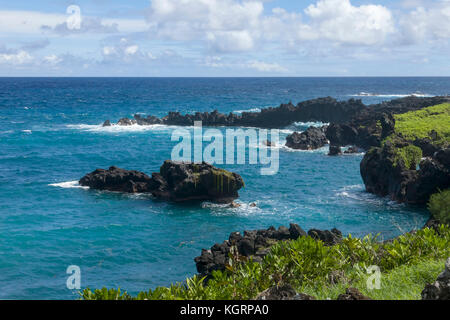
{"x":426,"y":23}
{"x":125,"y":51}
{"x":19,"y":58}
{"x":237,"y":26}
{"x":340,"y":21}
{"x":266,"y":67}
{"x":226,"y":25}
{"x":88,"y":25}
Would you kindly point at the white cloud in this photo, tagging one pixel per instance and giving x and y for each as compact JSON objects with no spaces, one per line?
{"x":340,"y":21}
{"x":35,"y":22}
{"x":19,"y":58}
{"x":131,"y":50}
{"x":426,"y":24}
{"x":237,"y":26}
{"x":52,"y":59}
{"x":266,"y":67}
{"x":226,"y":25}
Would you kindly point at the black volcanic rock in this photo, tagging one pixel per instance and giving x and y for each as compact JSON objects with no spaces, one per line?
{"x":385,"y":173}
{"x":334,"y":150}
{"x":256,"y":244}
{"x":311,"y":139}
{"x":197,"y":182}
{"x":341,"y":134}
{"x":116,"y":179}
{"x":369,"y":126}
{"x":326,"y":236}
{"x":321,"y":109}
{"x":351,"y":149}
{"x":352,"y":294}
{"x":440,"y":289}
{"x":176,"y":181}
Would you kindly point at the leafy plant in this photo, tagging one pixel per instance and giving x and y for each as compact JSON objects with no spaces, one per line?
{"x":306,"y":264}
{"x":439,"y":206}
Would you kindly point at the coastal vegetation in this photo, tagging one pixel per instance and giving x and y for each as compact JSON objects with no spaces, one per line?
{"x":421,"y":123}
{"x":439,"y":206}
{"x":406,"y":264}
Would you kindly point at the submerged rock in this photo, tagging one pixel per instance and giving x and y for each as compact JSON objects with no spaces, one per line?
{"x":311,"y":139}
{"x":176,"y":181}
{"x":126,"y":122}
{"x":334,"y":151}
{"x":351,"y":150}
{"x":440,"y":289}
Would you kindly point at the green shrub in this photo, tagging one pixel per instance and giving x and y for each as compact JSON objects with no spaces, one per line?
{"x":410,"y":156}
{"x":439,"y":206}
{"x":306,"y":264}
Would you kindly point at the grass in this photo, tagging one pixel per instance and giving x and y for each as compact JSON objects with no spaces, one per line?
{"x":419,"y":124}
{"x":406,"y":264}
{"x":403,"y":283}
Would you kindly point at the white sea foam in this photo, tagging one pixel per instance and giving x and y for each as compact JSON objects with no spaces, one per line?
{"x":247,"y":110}
{"x":322,"y":150}
{"x":358,"y":193}
{"x":310,"y":124}
{"x":68,"y":185}
{"x":243,"y":208}
{"x":26,"y":131}
{"x":394,"y":95}
{"x":119,"y":129}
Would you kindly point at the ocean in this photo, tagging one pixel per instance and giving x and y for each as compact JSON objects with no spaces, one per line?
{"x":51,"y":135}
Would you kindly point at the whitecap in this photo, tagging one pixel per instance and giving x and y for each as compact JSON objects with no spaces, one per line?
{"x":393,"y":95}
{"x":26,"y":131}
{"x":68,"y":185}
{"x":114,"y":128}
{"x":243,"y":208}
{"x":248,"y":110}
{"x":322,"y":150}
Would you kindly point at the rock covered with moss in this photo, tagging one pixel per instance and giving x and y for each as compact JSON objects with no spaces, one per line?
{"x":397,"y":170}
{"x":183,"y":181}
{"x":176,"y":181}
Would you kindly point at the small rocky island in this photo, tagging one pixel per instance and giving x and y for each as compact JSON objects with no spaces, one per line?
{"x":176,"y":181}
{"x":311,"y":139}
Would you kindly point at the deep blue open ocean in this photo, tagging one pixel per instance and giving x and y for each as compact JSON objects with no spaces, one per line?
{"x":51,"y":135}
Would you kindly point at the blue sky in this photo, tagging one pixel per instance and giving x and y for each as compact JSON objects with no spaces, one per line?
{"x":225,"y":38}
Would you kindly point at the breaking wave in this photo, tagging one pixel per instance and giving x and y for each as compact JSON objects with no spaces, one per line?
{"x":394,"y":95}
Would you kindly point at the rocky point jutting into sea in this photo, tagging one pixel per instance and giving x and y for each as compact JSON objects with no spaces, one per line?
{"x":351,"y":122}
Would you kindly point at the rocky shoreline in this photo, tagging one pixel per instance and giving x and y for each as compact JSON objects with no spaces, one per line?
{"x":256,"y":244}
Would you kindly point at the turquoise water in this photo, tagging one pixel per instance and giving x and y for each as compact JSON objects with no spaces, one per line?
{"x":50,"y":136}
